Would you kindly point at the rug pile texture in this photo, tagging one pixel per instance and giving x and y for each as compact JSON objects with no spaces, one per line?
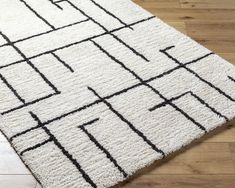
{"x":93,"y":90}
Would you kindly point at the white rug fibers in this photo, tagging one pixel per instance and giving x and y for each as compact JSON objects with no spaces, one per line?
{"x":93,"y":90}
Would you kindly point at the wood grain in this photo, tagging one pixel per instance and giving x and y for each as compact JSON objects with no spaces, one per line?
{"x":208,"y":162}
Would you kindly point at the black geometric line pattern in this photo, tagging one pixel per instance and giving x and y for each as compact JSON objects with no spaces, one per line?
{"x":52,"y":51}
{"x":132,"y":127}
{"x":29,"y":63}
{"x":92,"y":138}
{"x":106,"y":30}
{"x":149,"y":86}
{"x":195,"y":96}
{"x":63,"y":150}
{"x":76,"y":43}
{"x":164,"y":51}
{"x":43,"y":118}
{"x":38,"y":15}
{"x":109,"y":97}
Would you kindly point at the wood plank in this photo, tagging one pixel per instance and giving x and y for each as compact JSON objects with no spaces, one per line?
{"x":205,"y":4}
{"x":224,"y":134}
{"x":158,"y":3}
{"x":229,"y":57}
{"x":181,"y":181}
{"x":211,"y":31}
{"x":198,"y":158}
{"x":17,"y":181}
{"x":218,"y":46}
{"x":219,"y":37}
{"x":232,"y":148}
{"x":180,"y":26}
{"x":10,"y":163}
{"x":204,"y":15}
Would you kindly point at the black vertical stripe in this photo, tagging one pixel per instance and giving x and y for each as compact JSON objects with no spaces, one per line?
{"x":98,"y":145}
{"x":63,"y":62}
{"x":36,"y":14}
{"x":11,"y":88}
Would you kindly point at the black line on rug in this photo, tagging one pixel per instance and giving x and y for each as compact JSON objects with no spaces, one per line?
{"x":64,"y":151}
{"x":178,"y":67}
{"x":60,"y":1}
{"x":55,"y":4}
{"x":179,"y":110}
{"x":47,"y":32}
{"x":29,"y":103}
{"x":164,"y":51}
{"x":198,"y":59}
{"x":11,"y":88}
{"x":232,"y":79}
{"x":209,"y":107}
{"x":153,"y":89}
{"x":30,"y":63}
{"x":36,"y":14}
{"x":36,"y":146}
{"x":160,"y":105}
{"x":78,"y":42}
{"x":89,"y":123}
{"x":106,"y":30}
{"x":54,"y":119}
{"x":196,"y":97}
{"x":98,"y":145}
{"x":63,"y":62}
{"x":131,"y":126}
{"x":111,"y":14}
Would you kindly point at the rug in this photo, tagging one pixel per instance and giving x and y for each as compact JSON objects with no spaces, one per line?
{"x":93,"y":90}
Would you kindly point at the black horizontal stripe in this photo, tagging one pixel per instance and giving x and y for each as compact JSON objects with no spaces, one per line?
{"x":36,"y":146}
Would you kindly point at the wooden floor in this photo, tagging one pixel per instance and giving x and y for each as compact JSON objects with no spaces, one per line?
{"x":207,"y":163}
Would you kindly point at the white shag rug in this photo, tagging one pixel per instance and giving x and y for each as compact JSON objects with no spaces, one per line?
{"x":93,"y":90}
